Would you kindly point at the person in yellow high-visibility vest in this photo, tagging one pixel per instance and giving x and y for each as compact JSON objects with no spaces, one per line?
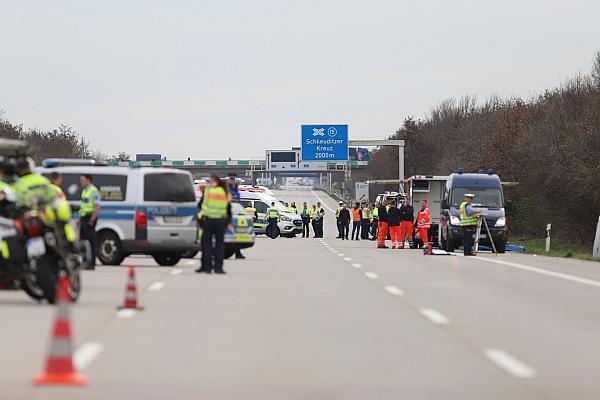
{"x":88,"y":215}
{"x":215,"y":216}
{"x":273,"y":218}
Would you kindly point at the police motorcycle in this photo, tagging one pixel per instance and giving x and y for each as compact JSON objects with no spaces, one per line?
{"x":46,"y":246}
{"x":15,"y":270}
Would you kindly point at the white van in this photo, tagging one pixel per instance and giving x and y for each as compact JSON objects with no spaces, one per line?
{"x":142,"y":211}
{"x":289,"y":224}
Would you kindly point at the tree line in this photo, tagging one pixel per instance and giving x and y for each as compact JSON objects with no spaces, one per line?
{"x":549,"y":145}
{"x":63,"y":142}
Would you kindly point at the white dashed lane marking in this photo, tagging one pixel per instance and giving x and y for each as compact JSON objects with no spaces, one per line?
{"x":435,"y":316}
{"x":126,"y":313}
{"x":371,"y":275}
{"x":393,"y":290}
{"x":509,"y":364}
{"x":156,"y":286}
{"x":357,"y":265}
{"x":85,"y":354}
{"x":176,"y":271}
{"x":347,"y":259}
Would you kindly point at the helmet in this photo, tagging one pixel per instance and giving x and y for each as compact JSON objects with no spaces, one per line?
{"x":15,"y":153}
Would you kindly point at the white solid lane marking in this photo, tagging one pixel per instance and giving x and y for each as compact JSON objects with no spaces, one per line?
{"x":176,"y":271}
{"x":85,"y":354}
{"x":347,"y":259}
{"x":322,"y":202}
{"x":126,"y":313}
{"x":509,"y":364}
{"x":393,"y":290}
{"x":371,"y":275}
{"x":357,"y":265}
{"x":435,"y":316}
{"x":566,"y":277}
{"x":156,"y":286}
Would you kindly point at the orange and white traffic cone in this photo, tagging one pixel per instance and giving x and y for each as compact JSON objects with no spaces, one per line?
{"x":59,"y":365}
{"x":131,"y":302}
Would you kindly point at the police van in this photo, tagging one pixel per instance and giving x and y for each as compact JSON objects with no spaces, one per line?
{"x":142,"y":210}
{"x":289,"y":224}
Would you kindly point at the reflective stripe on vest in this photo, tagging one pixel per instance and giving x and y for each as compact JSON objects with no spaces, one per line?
{"x":214,"y":204}
{"x":273,"y":212}
{"x":366,"y":213}
{"x":466,"y":220}
{"x":87,"y":201}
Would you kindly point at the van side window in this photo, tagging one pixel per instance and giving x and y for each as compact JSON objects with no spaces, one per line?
{"x":169,"y":186}
{"x":111,"y":187}
{"x":245,"y":203}
{"x":261,"y":207}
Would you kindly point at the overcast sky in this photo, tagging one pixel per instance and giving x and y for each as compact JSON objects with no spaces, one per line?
{"x":212,"y":79}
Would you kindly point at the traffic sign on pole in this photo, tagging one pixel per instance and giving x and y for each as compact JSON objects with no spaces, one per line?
{"x":324,"y":142}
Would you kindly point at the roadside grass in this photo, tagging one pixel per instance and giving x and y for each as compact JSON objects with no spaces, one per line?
{"x":557,"y":249}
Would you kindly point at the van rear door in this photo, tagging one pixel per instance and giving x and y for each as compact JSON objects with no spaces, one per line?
{"x":170,"y":205}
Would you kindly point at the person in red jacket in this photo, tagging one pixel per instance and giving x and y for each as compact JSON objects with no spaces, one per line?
{"x":424,"y":223}
{"x":382,"y":229}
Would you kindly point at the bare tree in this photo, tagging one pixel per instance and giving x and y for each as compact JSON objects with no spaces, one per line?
{"x":596,"y":69}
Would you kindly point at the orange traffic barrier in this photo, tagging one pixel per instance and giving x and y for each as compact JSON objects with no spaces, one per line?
{"x":59,"y":365}
{"x":131,"y":301}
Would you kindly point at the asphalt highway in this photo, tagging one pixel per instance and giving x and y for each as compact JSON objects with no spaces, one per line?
{"x":323,"y":319}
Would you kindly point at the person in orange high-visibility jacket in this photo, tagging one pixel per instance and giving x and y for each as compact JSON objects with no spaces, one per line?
{"x":356,"y":221}
{"x":382,"y":229}
{"x":424,"y":222}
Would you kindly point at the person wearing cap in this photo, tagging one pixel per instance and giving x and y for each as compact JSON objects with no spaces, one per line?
{"x":305,"y":214}
{"x":319,"y":220}
{"x":344,"y":222}
{"x":468,"y":223}
{"x":337,"y":219}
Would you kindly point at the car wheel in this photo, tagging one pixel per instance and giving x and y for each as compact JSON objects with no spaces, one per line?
{"x":110,"y":251}
{"x":167,"y":259}
{"x":449,"y":245}
{"x":229,"y":253}
{"x":501,"y":246}
{"x":189,"y":254}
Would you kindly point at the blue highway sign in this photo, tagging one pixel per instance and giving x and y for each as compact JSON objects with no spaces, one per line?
{"x":324,"y":142}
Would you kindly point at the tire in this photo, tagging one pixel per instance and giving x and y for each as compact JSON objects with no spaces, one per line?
{"x":32,"y":289}
{"x":47,"y":277}
{"x":110,"y":250}
{"x":449,"y":245}
{"x":167,"y":259}
{"x":75,"y":286}
{"x":501,"y":246}
{"x":190,"y":254}
{"x":229,"y":253}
